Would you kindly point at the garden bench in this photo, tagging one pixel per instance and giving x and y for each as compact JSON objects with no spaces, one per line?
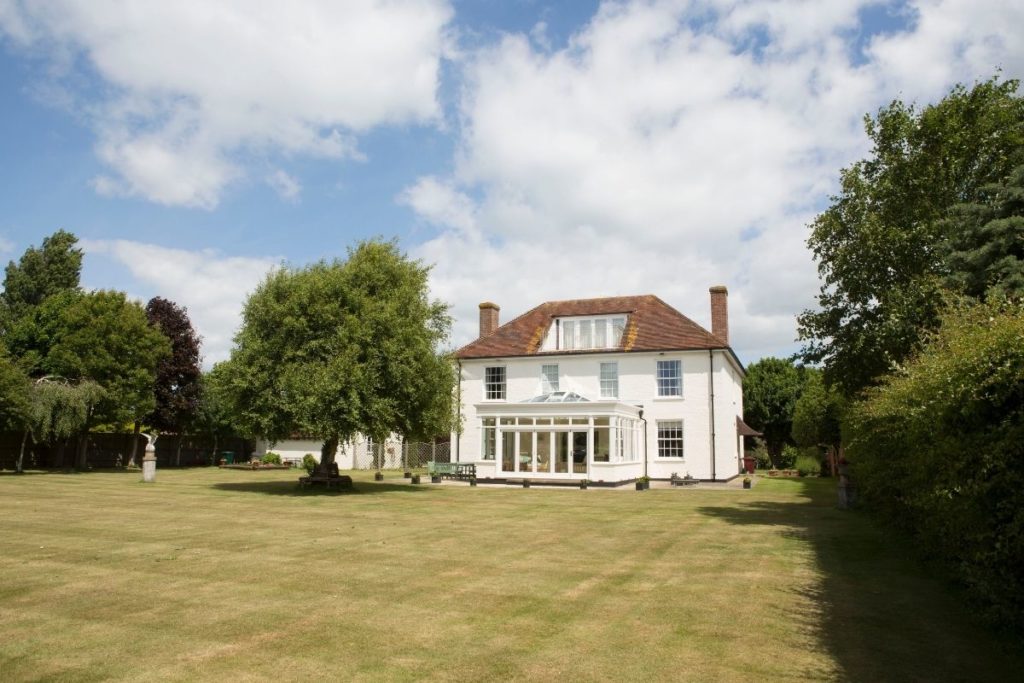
{"x":683,"y":481}
{"x":452,"y":470}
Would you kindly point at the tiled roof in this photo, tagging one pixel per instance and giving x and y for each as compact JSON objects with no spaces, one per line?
{"x":653,"y":325}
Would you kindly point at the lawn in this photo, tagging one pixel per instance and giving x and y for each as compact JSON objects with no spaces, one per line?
{"x":240,"y":576}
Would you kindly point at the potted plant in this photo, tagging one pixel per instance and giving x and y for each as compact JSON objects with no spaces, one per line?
{"x":415,"y":479}
{"x":378,"y":476}
{"x":435,"y":478}
{"x":583,"y":484}
{"x":526,"y":483}
{"x":746,"y":482}
{"x":472,"y":481}
{"x":407,"y":474}
{"x":643,"y":483}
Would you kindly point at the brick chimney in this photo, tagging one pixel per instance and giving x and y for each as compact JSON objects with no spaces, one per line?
{"x":719,"y":313}
{"x":488,"y":318}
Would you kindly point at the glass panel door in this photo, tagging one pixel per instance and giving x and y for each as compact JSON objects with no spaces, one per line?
{"x":526,"y":451}
{"x":579,"y":452}
{"x":562,"y":452}
{"x":543,"y":451}
{"x":508,"y":451}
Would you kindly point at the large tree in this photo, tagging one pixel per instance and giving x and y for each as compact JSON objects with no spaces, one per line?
{"x":343,"y":347}
{"x":770,"y":392}
{"x":42,"y":272}
{"x":178,"y":373}
{"x":214,"y":415}
{"x":878,"y":245}
{"x":818,"y":416}
{"x":99,"y":337}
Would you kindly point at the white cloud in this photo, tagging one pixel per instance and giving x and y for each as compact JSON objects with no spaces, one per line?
{"x":672,"y":146}
{"x":190,"y":85}
{"x":6,"y":246}
{"x":213,"y":287}
{"x":285,"y":185}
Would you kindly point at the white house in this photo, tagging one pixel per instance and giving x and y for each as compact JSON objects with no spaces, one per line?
{"x":604,"y":389}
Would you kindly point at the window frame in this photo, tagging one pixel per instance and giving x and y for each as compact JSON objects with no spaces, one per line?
{"x":550,"y":387}
{"x":602,"y":379}
{"x":671,"y":447}
{"x":662,"y":380}
{"x":489,"y":382}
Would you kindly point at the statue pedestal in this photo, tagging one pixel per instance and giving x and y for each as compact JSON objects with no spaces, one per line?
{"x":149,"y":464}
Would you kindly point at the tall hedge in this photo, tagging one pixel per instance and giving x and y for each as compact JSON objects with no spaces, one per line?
{"x":939,"y":448}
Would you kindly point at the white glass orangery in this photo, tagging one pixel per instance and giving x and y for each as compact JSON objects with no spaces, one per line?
{"x":562,"y":436}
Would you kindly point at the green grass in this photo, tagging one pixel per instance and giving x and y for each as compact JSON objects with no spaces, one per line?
{"x":231,"y":575}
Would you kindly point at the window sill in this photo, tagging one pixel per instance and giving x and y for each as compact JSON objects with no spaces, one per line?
{"x":658,"y":458}
{"x":668,"y":399}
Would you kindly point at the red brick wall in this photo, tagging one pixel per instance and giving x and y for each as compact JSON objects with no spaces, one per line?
{"x":488,"y":318}
{"x":720,"y":312}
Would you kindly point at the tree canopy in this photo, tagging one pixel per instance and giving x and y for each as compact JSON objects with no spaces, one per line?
{"x":97,"y":336}
{"x":343,"y":347}
{"x":14,"y":393}
{"x":177,"y":390}
{"x":41,"y":272}
{"x":818,"y":413}
{"x":770,"y":392}
{"x":878,"y":246}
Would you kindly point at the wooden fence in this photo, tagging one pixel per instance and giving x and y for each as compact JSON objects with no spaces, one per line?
{"x":113,"y":450}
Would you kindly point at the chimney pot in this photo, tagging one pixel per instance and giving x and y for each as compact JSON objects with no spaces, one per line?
{"x":720,"y":312}
{"x":488,"y":318}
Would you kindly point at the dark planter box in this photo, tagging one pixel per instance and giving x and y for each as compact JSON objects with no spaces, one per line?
{"x":641,"y":486}
{"x":415,"y":478}
{"x":472,"y":482}
{"x":407,"y":475}
{"x":746,"y":484}
{"x":435,"y":480}
{"x":526,"y":484}
{"x":378,"y":476}
{"x":583,"y":485}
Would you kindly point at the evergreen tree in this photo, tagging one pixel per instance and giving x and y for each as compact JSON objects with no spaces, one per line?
{"x":984,"y":248}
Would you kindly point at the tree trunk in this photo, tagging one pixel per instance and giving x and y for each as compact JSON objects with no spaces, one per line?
{"x":58,"y":460}
{"x":327,"y":455}
{"x":215,"y":460}
{"x":82,"y":457}
{"x":19,"y":468}
{"x":774,"y":453}
{"x":177,"y":452}
{"x":135,"y":446}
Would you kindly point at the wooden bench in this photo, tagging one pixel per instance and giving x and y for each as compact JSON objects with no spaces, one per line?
{"x":676,"y":480}
{"x":340,"y":481}
{"x":452,"y":470}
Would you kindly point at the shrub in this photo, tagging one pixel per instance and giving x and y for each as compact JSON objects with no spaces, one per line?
{"x":788,"y":457}
{"x":937,"y":449}
{"x":271,"y":459}
{"x":760,"y":454}
{"x":808,"y":462}
{"x":309,"y":463}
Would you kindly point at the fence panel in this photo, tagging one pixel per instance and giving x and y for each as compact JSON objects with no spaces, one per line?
{"x":394,"y":454}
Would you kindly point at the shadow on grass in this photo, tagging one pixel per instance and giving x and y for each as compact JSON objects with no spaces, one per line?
{"x":292,"y":488}
{"x":876,"y":610}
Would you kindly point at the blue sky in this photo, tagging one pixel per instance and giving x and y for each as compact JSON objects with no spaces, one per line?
{"x":530,"y":150}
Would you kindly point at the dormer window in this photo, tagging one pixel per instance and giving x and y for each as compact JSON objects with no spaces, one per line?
{"x":577,"y":333}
